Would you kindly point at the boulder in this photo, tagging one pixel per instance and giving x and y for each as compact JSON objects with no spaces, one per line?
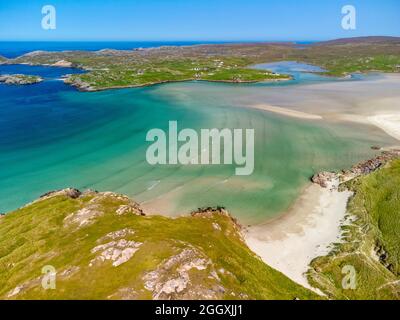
{"x":69,"y":192}
{"x":323,"y":178}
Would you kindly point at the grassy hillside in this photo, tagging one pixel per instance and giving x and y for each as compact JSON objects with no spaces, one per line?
{"x":169,"y":71}
{"x":371,"y":241}
{"x":344,"y":56}
{"x":103,"y":247}
{"x":117,"y":69}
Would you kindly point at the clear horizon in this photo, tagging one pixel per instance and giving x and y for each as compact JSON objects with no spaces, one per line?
{"x":195,"y":41}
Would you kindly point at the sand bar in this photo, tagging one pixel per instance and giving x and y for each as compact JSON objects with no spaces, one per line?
{"x":287,"y":112}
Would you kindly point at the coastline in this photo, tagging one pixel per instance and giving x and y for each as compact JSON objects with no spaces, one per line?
{"x":83,"y":88}
{"x":291,"y":241}
{"x":312,"y":225}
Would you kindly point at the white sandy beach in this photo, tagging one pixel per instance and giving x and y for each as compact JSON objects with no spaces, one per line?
{"x":287,"y":112}
{"x":289,"y":242}
{"x":390,"y":123}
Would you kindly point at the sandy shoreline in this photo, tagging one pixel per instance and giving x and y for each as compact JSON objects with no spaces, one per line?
{"x":290,"y":242}
{"x":307,"y":230}
{"x":390,"y":123}
{"x":286,"y":112}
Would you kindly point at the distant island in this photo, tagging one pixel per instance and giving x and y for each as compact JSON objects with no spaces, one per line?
{"x":108,"y":68}
{"x":19,"y":79}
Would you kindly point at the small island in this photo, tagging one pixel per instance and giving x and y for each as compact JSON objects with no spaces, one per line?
{"x":19,"y":79}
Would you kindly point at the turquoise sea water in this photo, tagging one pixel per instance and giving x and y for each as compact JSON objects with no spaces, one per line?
{"x":52,"y":137}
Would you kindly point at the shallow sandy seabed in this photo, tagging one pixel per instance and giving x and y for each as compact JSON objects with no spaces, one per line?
{"x":290,"y":242}
{"x":286,"y":112}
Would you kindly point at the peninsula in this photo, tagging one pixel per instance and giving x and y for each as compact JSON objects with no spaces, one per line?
{"x":91,"y":236}
{"x":108,"y":68}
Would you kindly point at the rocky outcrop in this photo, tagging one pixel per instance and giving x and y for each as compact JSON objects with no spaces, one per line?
{"x":383,"y":257}
{"x":62,"y":63}
{"x":371,"y":165}
{"x":131,"y":208}
{"x":209,"y":212}
{"x":78,"y":83}
{"x":172,"y":278}
{"x":19,"y":79}
{"x":325,"y":179}
{"x":95,"y":207}
{"x":69,"y":192}
{"x":68,"y":272}
{"x":83,"y":217}
{"x":89,"y":235}
{"x":118,"y":252}
{"x":118,"y":234}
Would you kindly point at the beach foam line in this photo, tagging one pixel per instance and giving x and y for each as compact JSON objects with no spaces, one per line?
{"x":390,"y":123}
{"x":153,"y":185}
{"x":287,"y":112}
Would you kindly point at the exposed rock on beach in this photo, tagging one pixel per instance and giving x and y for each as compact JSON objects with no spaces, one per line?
{"x":325,"y":178}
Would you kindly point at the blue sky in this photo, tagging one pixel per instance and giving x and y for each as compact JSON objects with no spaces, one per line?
{"x":173,"y":20}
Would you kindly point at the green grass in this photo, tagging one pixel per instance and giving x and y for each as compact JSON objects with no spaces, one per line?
{"x":242,"y":75}
{"x":27,"y":79}
{"x":36,"y":235}
{"x":376,"y":208}
{"x":223,"y":69}
{"x":344,"y":66}
{"x":228,"y":62}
